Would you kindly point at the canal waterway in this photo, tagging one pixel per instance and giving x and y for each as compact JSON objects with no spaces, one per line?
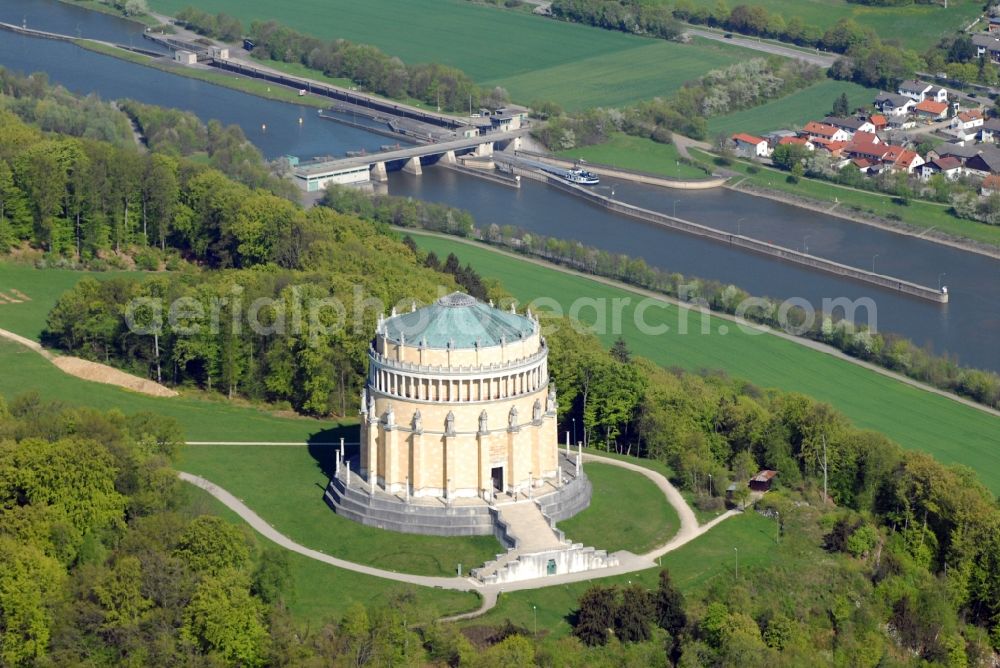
{"x":967,"y":328}
{"x":66,"y":19}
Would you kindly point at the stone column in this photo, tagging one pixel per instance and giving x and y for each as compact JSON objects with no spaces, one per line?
{"x":378,"y":172}
{"x":412,"y":166}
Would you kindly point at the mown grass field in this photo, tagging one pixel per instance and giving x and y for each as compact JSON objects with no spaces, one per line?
{"x":917,"y":26}
{"x":693,"y":568}
{"x":627,"y":512}
{"x":534,"y":58}
{"x":917,"y":419}
{"x":916,"y":213}
{"x":285,"y":484}
{"x":321,"y":592}
{"x":795,"y":110}
{"x":638,"y":154}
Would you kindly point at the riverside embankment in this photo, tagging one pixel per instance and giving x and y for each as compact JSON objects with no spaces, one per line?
{"x":736,"y":240}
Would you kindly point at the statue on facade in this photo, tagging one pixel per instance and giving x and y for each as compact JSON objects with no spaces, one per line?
{"x":371,"y":408}
{"x":536,"y":411}
{"x":364,"y":401}
{"x":390,"y":416}
{"x":482,"y":423}
{"x":418,"y":425}
{"x":449,"y":424}
{"x":550,"y":402}
{"x":512,"y":418}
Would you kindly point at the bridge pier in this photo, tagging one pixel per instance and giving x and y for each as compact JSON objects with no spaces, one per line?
{"x":449,"y":158}
{"x":378,"y":172}
{"x":484,"y":150}
{"x":412,"y":166}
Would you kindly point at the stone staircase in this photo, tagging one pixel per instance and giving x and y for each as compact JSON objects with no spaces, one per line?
{"x":539,"y":549}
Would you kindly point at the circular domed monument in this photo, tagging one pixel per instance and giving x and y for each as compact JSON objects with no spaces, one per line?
{"x":458,"y":403}
{"x":458,"y":438}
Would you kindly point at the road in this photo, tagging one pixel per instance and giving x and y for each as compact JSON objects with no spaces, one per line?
{"x":821,"y":59}
{"x":628,"y":562}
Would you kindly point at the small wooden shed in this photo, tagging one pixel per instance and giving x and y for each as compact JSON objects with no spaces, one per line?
{"x":762,"y":481}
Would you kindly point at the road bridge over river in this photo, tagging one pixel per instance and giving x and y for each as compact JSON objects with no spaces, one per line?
{"x":316,"y":175}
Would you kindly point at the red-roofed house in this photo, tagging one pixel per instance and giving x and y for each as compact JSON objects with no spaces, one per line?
{"x":834,"y":148}
{"x":966,"y":124}
{"x":801,"y":141}
{"x":879,"y":121}
{"x":949,"y":166}
{"x":990,"y":185}
{"x":866,"y":145}
{"x":813,"y":130}
{"x":906,"y":161}
{"x":751,"y":146}
{"x":931,"y":109}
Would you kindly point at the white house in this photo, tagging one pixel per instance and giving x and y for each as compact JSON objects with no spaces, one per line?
{"x":825,"y":131}
{"x":751,"y":146}
{"x":893,"y":105}
{"x":989,"y":129}
{"x":920,"y":91}
{"x":950,"y":167}
{"x":850,"y":124}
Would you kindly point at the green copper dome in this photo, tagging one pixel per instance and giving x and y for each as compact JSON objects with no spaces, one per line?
{"x":457,"y":321}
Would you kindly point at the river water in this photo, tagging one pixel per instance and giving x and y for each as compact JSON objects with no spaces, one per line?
{"x":968,"y":328}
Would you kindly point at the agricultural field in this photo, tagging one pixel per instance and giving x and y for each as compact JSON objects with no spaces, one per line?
{"x":917,"y":419}
{"x":650,"y":520}
{"x":794,"y":110}
{"x":534,"y":58}
{"x":639,"y":154}
{"x":284,"y":485}
{"x":321,"y":592}
{"x":917,"y":26}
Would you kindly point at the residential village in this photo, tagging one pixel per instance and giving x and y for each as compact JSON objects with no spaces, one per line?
{"x":894,"y":136}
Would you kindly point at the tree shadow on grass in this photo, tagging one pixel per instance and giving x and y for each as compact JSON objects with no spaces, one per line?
{"x":324,"y":445}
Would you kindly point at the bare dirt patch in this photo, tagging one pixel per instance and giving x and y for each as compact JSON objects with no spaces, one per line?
{"x":101,"y":373}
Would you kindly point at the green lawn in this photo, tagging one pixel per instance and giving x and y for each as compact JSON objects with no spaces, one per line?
{"x":285,"y":485}
{"x":795,"y":110}
{"x":916,"y":26}
{"x":534,"y":58}
{"x":322,"y":592}
{"x":693,"y":568}
{"x":638,"y":154}
{"x":917,"y":213}
{"x":627,"y":512}
{"x":917,"y":419}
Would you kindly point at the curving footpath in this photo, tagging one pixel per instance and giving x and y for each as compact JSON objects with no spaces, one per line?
{"x":628,"y":563}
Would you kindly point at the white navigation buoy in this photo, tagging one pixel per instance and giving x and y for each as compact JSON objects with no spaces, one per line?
{"x":300,"y":120}
{"x":263,"y":127}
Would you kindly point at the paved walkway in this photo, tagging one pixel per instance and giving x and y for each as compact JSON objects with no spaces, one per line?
{"x":628,"y":562}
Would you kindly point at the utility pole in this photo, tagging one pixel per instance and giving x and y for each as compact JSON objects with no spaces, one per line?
{"x":824,"y":469}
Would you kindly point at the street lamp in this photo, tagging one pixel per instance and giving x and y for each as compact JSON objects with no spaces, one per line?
{"x":737,"y":550}
{"x":574,"y":429}
{"x":711,"y":490}
{"x":805,"y":246}
{"x":738,"y":227}
{"x":534,"y":611}
{"x":675,"y":207}
{"x":873,"y":262}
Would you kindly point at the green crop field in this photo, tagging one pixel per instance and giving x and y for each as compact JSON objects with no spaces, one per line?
{"x":952,"y":432}
{"x":649,"y":522}
{"x":285,"y":484}
{"x":534,"y":58}
{"x":321,"y":592}
{"x":917,"y":26}
{"x":655,"y":68}
{"x":638,"y":154}
{"x":808,"y":104}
